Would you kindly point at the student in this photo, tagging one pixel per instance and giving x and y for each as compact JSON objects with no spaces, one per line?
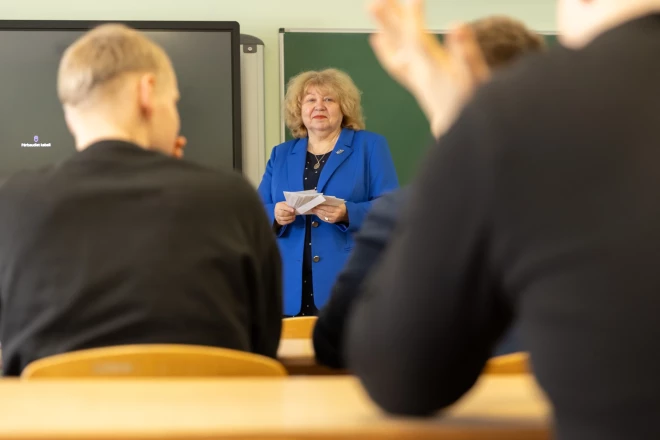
{"x":541,"y":202}
{"x":123,"y":243}
{"x":499,"y":41}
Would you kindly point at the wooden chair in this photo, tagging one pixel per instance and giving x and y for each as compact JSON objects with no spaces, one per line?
{"x":298,"y":328}
{"x":514,"y":363}
{"x":153,"y":360}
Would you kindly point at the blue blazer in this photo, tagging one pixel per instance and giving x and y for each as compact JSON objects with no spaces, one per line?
{"x":359,"y":170}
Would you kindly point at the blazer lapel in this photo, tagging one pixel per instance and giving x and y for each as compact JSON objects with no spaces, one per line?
{"x":296,"y":165}
{"x":343,"y":149}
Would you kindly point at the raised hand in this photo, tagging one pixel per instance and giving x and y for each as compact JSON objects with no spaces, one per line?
{"x":441,"y":78}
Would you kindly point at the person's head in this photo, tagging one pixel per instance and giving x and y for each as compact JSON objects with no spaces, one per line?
{"x":115,"y":83}
{"x":322,"y":103}
{"x":503,"y":40}
{"x":580,"y":21}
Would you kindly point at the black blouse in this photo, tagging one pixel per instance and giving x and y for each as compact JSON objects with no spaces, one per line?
{"x":310,"y":182}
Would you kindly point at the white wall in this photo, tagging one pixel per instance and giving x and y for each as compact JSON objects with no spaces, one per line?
{"x":264,"y":18}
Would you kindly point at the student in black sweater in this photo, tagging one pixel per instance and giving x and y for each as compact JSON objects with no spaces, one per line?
{"x":541,"y":202}
{"x":498,"y":42}
{"x":123,"y":243}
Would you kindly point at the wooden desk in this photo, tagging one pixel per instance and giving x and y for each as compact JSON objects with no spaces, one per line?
{"x":300,"y":408}
{"x":297,"y":356}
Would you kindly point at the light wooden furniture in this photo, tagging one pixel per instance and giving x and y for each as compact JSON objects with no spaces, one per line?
{"x":157,"y":360}
{"x":297,"y":356}
{"x":514,"y":363}
{"x":298,"y":328}
{"x":300,"y":408}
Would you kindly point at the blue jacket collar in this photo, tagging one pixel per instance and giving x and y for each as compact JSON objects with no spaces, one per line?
{"x":342,"y":150}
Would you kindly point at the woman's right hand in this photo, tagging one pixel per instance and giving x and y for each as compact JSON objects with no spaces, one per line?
{"x":284,"y":214}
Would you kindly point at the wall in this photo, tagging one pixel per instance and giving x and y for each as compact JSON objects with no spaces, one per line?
{"x":264,"y":18}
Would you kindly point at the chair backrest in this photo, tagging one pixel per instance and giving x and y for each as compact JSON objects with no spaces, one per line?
{"x":298,"y":328}
{"x":514,"y":363}
{"x":153,"y":360}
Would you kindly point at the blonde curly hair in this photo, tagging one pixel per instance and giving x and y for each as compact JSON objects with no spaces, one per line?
{"x":333,"y":81}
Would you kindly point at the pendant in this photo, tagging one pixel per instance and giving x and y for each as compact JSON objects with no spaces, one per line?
{"x":317,"y":166}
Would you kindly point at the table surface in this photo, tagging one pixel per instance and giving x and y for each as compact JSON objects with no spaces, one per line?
{"x":271,"y":408}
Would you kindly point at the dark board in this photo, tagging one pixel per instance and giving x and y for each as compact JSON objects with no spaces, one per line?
{"x":389,"y":109}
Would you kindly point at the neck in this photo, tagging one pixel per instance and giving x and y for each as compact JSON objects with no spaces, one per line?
{"x":88,"y":133}
{"x":319,"y":143}
{"x":615,"y":16}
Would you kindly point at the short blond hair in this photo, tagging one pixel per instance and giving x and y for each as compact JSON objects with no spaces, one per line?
{"x":333,"y":81}
{"x":102,"y":56}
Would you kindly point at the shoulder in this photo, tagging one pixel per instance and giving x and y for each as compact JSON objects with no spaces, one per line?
{"x":544,"y":86}
{"x":527,"y":98}
{"x":225,"y":183}
{"x":369,"y":138}
{"x":284,"y":148}
{"x":372,"y":144}
{"x":226,"y":192}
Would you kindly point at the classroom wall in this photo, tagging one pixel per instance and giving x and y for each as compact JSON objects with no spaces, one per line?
{"x":264,"y":18}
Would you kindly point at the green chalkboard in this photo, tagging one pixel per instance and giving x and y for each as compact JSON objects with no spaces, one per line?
{"x":389,"y":109}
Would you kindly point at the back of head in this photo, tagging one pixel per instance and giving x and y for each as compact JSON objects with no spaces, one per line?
{"x":503,"y":40}
{"x":115,"y":83}
{"x":99,"y":59}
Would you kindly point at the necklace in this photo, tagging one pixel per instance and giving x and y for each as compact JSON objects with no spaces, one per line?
{"x":318,"y":162}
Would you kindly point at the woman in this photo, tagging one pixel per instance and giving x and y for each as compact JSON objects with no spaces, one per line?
{"x":334,"y":155}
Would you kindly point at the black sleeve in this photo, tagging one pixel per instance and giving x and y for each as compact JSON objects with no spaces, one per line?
{"x":267,"y":313}
{"x":370,"y":242}
{"x":266,"y":305}
{"x":430,"y":315}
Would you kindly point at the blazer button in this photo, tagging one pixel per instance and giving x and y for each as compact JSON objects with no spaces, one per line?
{"x":315,"y":224}
{"x":317,"y":259}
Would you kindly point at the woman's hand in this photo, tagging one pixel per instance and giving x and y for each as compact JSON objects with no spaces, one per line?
{"x":331,"y":214}
{"x":284,"y":214}
{"x":441,"y":78}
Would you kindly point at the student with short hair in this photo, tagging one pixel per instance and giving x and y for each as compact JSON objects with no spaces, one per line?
{"x":123,"y":243}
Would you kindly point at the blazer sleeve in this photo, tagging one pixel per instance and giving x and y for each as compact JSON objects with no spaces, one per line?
{"x":265,"y":191}
{"x":370,"y":242}
{"x":382,"y":179}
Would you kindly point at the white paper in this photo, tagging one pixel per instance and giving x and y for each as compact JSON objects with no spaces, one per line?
{"x":305,"y":201}
{"x":333,"y":201}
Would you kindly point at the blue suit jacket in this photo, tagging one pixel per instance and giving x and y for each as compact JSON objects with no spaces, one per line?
{"x":358,"y":170}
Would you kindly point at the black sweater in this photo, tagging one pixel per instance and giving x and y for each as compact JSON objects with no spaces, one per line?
{"x":120,"y":245}
{"x":542,"y":202}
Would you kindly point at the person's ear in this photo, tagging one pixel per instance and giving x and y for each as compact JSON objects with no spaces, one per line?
{"x":147,"y":93}
{"x":67,"y":119}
